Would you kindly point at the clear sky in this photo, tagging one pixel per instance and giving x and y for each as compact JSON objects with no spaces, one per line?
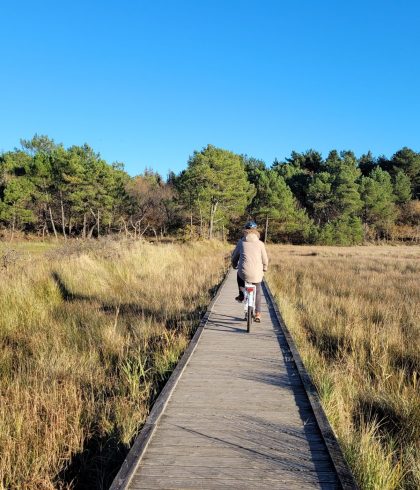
{"x":149,"y":82}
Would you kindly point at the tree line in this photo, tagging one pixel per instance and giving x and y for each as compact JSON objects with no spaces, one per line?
{"x":72,"y":192}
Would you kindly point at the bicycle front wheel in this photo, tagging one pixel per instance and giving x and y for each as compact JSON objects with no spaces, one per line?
{"x":249,"y":318}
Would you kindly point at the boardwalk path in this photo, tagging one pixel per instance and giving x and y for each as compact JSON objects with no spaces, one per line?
{"x":239,"y":416}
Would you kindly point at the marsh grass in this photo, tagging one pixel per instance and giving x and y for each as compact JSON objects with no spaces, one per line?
{"x":354,"y":313}
{"x":89,"y":333}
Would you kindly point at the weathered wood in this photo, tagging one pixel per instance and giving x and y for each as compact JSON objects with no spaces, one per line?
{"x":229,"y":484}
{"x":238,"y":417}
{"x":223,"y":454}
{"x":130,"y":464}
{"x":343,"y":471}
{"x":281,"y":474}
{"x":239,"y":461}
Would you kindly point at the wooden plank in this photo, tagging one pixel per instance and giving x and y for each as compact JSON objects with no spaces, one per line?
{"x":165,"y":453}
{"x":303,"y":457}
{"x":262,"y":431}
{"x":130,"y":464}
{"x":250,"y":474}
{"x":263,"y":423}
{"x":343,"y":471}
{"x":239,"y":416}
{"x":237,"y":462}
{"x":211,"y":484}
{"x":238,"y":441}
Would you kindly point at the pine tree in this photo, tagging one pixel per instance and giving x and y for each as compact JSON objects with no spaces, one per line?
{"x":217,"y":180}
{"x":345,"y":192}
{"x":320,"y":198}
{"x":346,"y":230}
{"x":408,"y":161}
{"x":17,"y":191}
{"x":402,"y":187}
{"x":378,"y":201}
{"x":366,"y":163}
{"x":273,"y":200}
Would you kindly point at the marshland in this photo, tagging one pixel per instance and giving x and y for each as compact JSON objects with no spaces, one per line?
{"x":91,"y":331}
{"x":89,"y":334}
{"x":354,"y":313}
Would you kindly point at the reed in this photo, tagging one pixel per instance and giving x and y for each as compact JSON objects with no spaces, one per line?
{"x":89,"y":333}
{"x":354,"y":313}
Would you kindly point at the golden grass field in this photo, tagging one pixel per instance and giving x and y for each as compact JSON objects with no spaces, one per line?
{"x":354,"y":313}
{"x":88,"y":335}
{"x":90,"y":332}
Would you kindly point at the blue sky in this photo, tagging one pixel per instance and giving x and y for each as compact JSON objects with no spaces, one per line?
{"x":149,"y":82}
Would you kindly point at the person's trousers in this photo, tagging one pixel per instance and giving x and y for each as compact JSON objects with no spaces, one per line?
{"x":258,"y":295}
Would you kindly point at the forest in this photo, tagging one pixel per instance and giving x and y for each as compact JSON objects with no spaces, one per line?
{"x":49,"y":190}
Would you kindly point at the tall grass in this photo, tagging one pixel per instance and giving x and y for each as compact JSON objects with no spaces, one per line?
{"x":88,"y":335}
{"x":354,"y":313}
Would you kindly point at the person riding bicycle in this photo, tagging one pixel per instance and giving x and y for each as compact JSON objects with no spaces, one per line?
{"x":251,"y":260}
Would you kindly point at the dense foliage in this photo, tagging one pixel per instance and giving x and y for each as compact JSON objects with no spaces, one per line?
{"x":50,"y":190}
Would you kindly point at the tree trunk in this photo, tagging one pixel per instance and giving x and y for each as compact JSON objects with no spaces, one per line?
{"x":52,"y":223}
{"x":91,"y":231}
{"x":266,"y":229}
{"x":191,"y":226}
{"x":98,"y":224}
{"x":125,"y":228}
{"x":84,"y":226}
{"x":144,"y":231}
{"x":201,"y":224}
{"x":63,"y":218}
{"x":213,"y":209}
{"x":13,"y":227}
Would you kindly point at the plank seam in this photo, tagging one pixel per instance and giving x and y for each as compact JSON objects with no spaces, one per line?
{"x":344,"y":473}
{"x":141,"y":442}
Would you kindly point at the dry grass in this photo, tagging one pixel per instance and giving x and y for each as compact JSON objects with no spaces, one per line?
{"x":354,"y":313}
{"x":88,"y":335}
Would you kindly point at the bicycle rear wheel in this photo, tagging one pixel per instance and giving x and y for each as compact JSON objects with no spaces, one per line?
{"x":249,"y":318}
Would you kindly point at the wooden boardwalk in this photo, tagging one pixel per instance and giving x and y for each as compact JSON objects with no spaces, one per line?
{"x":237,"y":415}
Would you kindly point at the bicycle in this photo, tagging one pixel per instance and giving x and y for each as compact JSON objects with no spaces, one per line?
{"x":249,"y":304}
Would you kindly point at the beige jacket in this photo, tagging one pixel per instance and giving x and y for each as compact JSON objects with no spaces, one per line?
{"x":250,"y":257}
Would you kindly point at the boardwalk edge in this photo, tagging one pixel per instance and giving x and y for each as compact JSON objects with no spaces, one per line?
{"x":138,"y":449}
{"x":344,"y":473}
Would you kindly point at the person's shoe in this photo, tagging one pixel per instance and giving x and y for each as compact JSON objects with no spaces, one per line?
{"x":240,"y":297}
{"x":257,"y":317}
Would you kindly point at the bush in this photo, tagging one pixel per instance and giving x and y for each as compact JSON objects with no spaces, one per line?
{"x":346,"y":230}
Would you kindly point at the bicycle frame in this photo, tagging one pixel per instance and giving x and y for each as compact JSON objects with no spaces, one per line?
{"x":249,"y":303}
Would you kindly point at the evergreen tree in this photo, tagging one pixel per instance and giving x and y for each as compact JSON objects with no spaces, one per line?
{"x":366,"y":163}
{"x":346,"y":198}
{"x":345,"y":230}
{"x":402,"y":187}
{"x":320,"y":198}
{"x":408,"y":161}
{"x":45,"y":187}
{"x":16,"y":204}
{"x":17,"y":192}
{"x":273,"y":200}
{"x":219,"y":180}
{"x":253,"y":168}
{"x":378,"y":201}
{"x":297,"y":178}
